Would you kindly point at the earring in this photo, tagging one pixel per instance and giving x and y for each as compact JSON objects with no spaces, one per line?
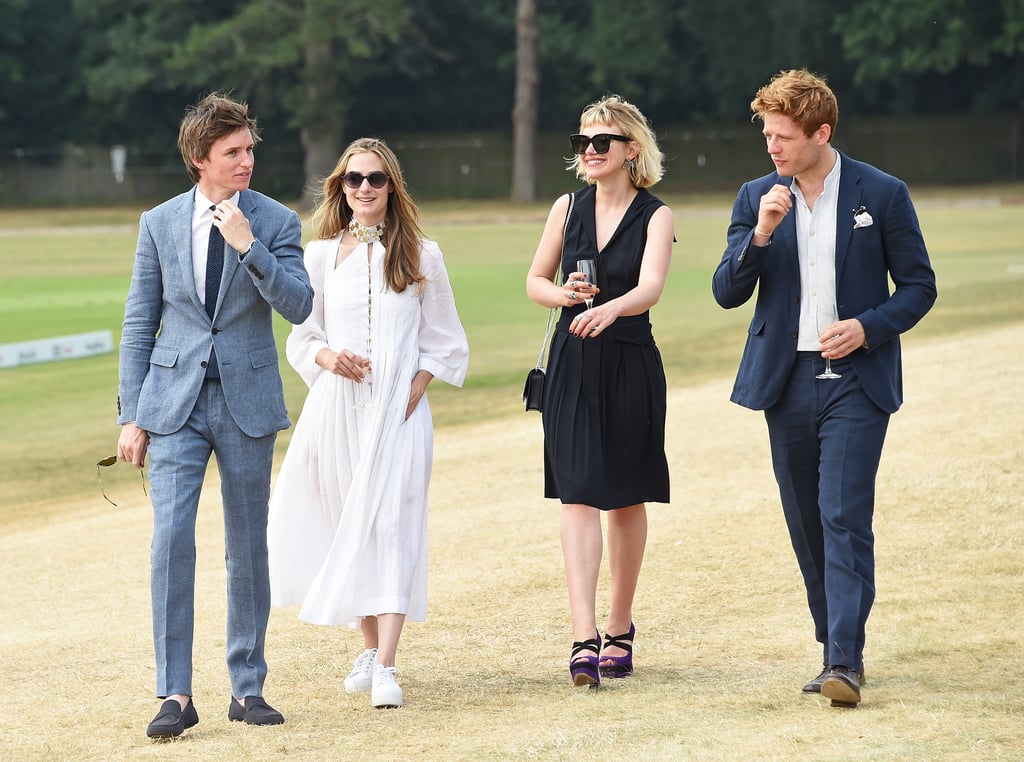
{"x":628,"y":164}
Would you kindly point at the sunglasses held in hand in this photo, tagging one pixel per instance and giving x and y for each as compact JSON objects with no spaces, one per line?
{"x":354,"y":180}
{"x":601,"y":142}
{"x":110,"y":460}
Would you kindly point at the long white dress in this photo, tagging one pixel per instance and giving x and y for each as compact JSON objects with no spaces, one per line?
{"x":347,"y":529}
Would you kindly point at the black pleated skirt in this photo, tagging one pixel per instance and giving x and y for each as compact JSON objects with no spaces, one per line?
{"x":604,"y":417}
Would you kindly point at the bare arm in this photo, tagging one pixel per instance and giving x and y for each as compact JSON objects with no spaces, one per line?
{"x":540,"y":281}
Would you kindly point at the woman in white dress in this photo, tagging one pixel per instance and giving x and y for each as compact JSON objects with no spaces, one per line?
{"x":348,"y":516}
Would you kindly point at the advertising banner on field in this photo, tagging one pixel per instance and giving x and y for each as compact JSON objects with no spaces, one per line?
{"x":57,"y":348}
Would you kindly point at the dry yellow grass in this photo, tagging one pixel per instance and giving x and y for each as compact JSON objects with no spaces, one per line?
{"x":724,"y":639}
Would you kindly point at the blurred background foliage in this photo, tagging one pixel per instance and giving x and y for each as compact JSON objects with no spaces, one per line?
{"x":318,"y":73}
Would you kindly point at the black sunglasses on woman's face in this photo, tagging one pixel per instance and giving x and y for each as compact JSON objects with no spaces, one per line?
{"x":600,"y":142}
{"x":355,"y":179}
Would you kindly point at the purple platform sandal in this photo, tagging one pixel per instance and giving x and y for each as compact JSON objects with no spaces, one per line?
{"x":620,"y":666}
{"x":583,"y":669}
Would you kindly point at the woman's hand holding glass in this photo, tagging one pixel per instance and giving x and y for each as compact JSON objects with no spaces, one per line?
{"x":356,"y":368}
{"x":345,"y":363}
{"x":581,"y":287}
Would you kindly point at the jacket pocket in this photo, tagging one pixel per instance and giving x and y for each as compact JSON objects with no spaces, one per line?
{"x":261,"y":358}
{"x":165,"y":358}
{"x":756,"y":326}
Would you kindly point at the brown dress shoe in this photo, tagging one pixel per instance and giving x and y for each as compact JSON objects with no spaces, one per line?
{"x":842,"y":685}
{"x":814,"y":686}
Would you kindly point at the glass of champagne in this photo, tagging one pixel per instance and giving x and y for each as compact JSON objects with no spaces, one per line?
{"x":364,"y":388}
{"x":828,"y":320}
{"x":589,"y":270}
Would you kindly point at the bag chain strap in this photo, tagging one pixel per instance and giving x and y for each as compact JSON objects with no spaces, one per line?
{"x":558,"y":282}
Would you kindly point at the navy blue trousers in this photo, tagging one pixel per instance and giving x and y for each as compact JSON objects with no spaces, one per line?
{"x":826,"y":441}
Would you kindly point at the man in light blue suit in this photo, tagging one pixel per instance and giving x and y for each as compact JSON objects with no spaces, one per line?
{"x":820,"y":238}
{"x":199,"y":376}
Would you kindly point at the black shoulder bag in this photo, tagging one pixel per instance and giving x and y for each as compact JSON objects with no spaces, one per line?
{"x":533,"y":390}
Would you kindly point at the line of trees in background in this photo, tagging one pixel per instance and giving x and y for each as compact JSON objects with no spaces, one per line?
{"x":319,"y":72}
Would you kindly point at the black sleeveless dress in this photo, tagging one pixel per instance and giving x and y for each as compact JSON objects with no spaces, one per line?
{"x":604,"y":398}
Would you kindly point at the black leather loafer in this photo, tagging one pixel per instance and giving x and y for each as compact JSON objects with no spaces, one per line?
{"x":255,"y":712}
{"x":171,"y":721}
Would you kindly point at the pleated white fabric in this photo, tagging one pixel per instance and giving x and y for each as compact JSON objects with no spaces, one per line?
{"x":348,"y":515}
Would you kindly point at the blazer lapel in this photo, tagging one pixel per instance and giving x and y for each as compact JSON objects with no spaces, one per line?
{"x":786,"y":230}
{"x":850,"y":198}
{"x":181,"y":234}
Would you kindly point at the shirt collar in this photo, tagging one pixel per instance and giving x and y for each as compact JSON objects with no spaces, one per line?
{"x":203,"y":204}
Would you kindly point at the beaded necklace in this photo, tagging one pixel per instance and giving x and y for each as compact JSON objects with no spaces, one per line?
{"x":365,"y":233}
{"x":368,"y":235}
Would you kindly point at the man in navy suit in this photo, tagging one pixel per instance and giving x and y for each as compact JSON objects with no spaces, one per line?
{"x":820,"y":238}
{"x":199,"y":375}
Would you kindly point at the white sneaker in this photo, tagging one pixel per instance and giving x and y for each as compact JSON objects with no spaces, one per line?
{"x":360,"y":679}
{"x":386,"y":691}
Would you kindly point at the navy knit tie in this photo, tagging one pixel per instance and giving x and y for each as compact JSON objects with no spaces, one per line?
{"x":214,"y":268}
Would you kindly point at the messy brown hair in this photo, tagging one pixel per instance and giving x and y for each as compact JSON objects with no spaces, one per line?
{"x":206,"y":122}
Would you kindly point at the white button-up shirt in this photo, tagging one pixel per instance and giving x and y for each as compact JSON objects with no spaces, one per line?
{"x":202,"y":221}
{"x":816,"y":248}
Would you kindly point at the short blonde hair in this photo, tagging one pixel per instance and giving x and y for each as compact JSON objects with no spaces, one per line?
{"x":803,"y":97}
{"x":648,"y":167}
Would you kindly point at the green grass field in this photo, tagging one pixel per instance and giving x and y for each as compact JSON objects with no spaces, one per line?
{"x":67,"y":271}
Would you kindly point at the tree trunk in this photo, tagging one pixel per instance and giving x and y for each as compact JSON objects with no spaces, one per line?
{"x":321,"y":132}
{"x":524,"y":113}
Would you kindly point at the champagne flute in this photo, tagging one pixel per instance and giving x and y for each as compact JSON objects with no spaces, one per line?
{"x":828,"y":373}
{"x":589,"y":270}
{"x":364,"y":388}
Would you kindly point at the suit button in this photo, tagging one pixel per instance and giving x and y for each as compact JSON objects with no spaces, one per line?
{"x":796,"y":300}
{"x":216,"y":331}
{"x":794,"y":335}
{"x":202,"y":364}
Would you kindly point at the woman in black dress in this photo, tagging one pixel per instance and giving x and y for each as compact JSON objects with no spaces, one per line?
{"x":604,"y":401}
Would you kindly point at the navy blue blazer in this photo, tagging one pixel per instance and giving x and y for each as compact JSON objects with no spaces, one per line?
{"x":866,"y":258}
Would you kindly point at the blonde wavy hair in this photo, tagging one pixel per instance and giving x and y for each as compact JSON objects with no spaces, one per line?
{"x":402,"y":237}
{"x":803,"y":97}
{"x":648,"y":167}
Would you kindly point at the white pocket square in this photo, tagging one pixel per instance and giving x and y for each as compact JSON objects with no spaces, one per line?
{"x":861,"y":218}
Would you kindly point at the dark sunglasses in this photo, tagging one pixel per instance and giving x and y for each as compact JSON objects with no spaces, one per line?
{"x":600,"y":142}
{"x":355,"y":179}
{"x":109,"y":461}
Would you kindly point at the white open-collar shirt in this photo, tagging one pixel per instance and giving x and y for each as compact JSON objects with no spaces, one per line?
{"x":816,"y":249}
